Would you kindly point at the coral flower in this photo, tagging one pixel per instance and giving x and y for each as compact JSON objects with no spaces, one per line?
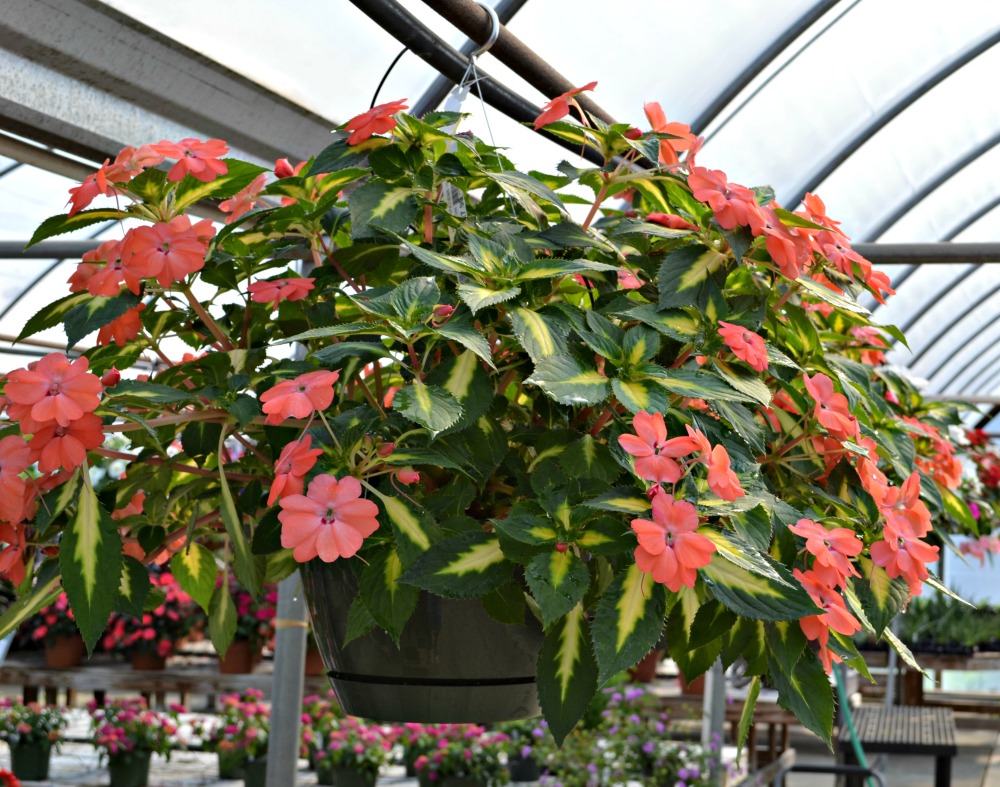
{"x":274,"y":291}
{"x":558,"y":107}
{"x":669,"y":548}
{"x":55,"y":390}
{"x":670,"y":221}
{"x":834,"y":615}
{"x":296,"y":459}
{"x":905,"y":556}
{"x":746,"y":345}
{"x":194,"y":157}
{"x":168,"y":251}
{"x":377,"y":120}
{"x":123,"y":329}
{"x":107,"y":278}
{"x":831,"y":410}
{"x":329,"y":522}
{"x":299,"y":398}
{"x":244,"y":200}
{"x":652,"y":449}
{"x":15,"y":456}
{"x":12,"y":555}
{"x":906,"y":515}
{"x":57,"y":446}
{"x":721,"y":479}
{"x":132,"y":508}
{"x":669,"y":148}
{"x":833,"y":549}
{"x":93,"y":186}
{"x":731,"y":203}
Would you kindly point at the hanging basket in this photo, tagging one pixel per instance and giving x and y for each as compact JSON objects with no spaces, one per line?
{"x":454,"y":662}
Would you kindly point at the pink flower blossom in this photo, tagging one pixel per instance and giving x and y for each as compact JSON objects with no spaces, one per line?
{"x":194,"y":157}
{"x":300,"y":397}
{"x":330,"y":521}
{"x":669,"y":548}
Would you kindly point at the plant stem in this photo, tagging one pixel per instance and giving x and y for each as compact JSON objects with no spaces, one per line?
{"x":167,"y":420}
{"x":180,"y":467}
{"x":206,"y":318}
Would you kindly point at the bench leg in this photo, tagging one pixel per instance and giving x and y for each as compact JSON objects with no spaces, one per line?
{"x":942,"y":771}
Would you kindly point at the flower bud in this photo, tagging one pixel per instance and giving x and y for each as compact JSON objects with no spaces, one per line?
{"x":111,"y":377}
{"x":633,"y":133}
{"x":443,"y":310}
{"x":653,"y":491}
{"x":561,"y":546}
{"x":407,"y":475}
{"x":386,"y":449}
{"x":283,"y":168}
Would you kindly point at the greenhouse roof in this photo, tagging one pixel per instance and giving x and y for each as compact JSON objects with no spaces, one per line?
{"x":884,"y":109}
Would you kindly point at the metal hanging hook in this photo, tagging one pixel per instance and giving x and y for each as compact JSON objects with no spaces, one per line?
{"x":494,"y":32}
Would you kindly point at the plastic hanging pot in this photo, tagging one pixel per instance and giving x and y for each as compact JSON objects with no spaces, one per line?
{"x":454,"y":662}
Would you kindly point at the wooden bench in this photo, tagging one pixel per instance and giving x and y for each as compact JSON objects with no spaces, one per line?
{"x":905,"y":730}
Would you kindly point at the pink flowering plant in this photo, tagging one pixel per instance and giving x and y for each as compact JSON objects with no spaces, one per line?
{"x":242,"y":728}
{"x":354,"y":745}
{"x":666,"y":412}
{"x":157,"y":630}
{"x":53,"y":621}
{"x":31,"y":723}
{"x":464,"y":750}
{"x":126,"y":725}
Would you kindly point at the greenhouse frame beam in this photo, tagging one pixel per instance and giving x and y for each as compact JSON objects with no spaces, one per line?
{"x":412,"y":33}
{"x":928,"y":253}
{"x":788,"y":37}
{"x":438,"y":91}
{"x":85,"y":78}
{"x":473,"y":20}
{"x":882,"y":118}
{"x":949,"y":327}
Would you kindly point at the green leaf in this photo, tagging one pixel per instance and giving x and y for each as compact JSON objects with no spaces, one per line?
{"x":807,"y":693}
{"x":568,"y":381}
{"x":222,"y":619}
{"x":956,"y":508}
{"x":196,"y":572}
{"x":463,"y":377}
{"x":692,"y":384}
{"x":641,"y":344}
{"x":828,"y":295}
{"x":377,"y":208}
{"x":61,"y":224}
{"x":464,"y":566}
{"x":478,"y":296}
{"x":604,"y":337}
{"x":462,"y":331}
{"x":149,"y":393}
{"x":628,"y":621}
{"x":683,"y":272}
{"x":430,"y":406}
{"x":443,"y":262}
{"x":786,"y":642}
{"x":200,"y":438}
{"x":742,"y":421}
{"x":133,"y":588}
{"x":567,"y":674}
{"x":248,"y":567}
{"x":526,"y":523}
{"x":389,"y":601}
{"x":364,"y":352}
{"x":91,"y":551}
{"x":94,"y":313}
{"x":359,"y":622}
{"x":506,"y":604}
{"x":902,"y":650}
{"x":746,"y":717}
{"x":711,"y":622}
{"x":240,"y":174}
{"x":53,"y":314}
{"x":558,"y":582}
{"x":745,"y":381}
{"x":520,"y":185}
{"x":540,"y":335}
{"x":880,"y":597}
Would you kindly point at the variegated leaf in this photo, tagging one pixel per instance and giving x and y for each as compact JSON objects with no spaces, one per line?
{"x":692,"y":384}
{"x":638,"y":395}
{"x":746,"y":716}
{"x":443,"y":262}
{"x":248,"y":567}
{"x":196,"y":571}
{"x":744,"y":381}
{"x":133,"y":588}
{"x":61,"y":224}
{"x":558,"y":582}
{"x":388,"y":600}
{"x":239,"y":175}
{"x":628,"y":621}
{"x":430,"y":406}
{"x":41,"y":595}
{"x":222,"y":619}
{"x":91,"y":551}
{"x":461,"y":330}
{"x":622,"y":499}
{"x":379,"y":208}
{"x":539,"y":335}
{"x":414,"y":300}
{"x":461,"y":567}
{"x":683,"y":272}
{"x":478,"y":296}
{"x":807,"y":693}
{"x":567,"y":673}
{"x":413,"y":528}
{"x":880,"y":597}
{"x":568,"y":381}
{"x":641,"y":344}
{"x":527,"y":523}
{"x":828,"y":295}
{"x":785,"y":643}
{"x":548,"y":268}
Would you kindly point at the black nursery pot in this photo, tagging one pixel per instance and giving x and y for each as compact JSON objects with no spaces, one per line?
{"x":454,"y":662}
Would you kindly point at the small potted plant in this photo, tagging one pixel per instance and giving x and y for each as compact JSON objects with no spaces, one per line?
{"x":352,"y":754}
{"x":150,"y":638}
{"x":464,"y":755}
{"x":240,"y":737}
{"x":31,"y":731}
{"x":56,"y":627}
{"x":254,"y":628}
{"x":320,"y":715}
{"x":127,"y":733}
{"x":529,"y":742}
